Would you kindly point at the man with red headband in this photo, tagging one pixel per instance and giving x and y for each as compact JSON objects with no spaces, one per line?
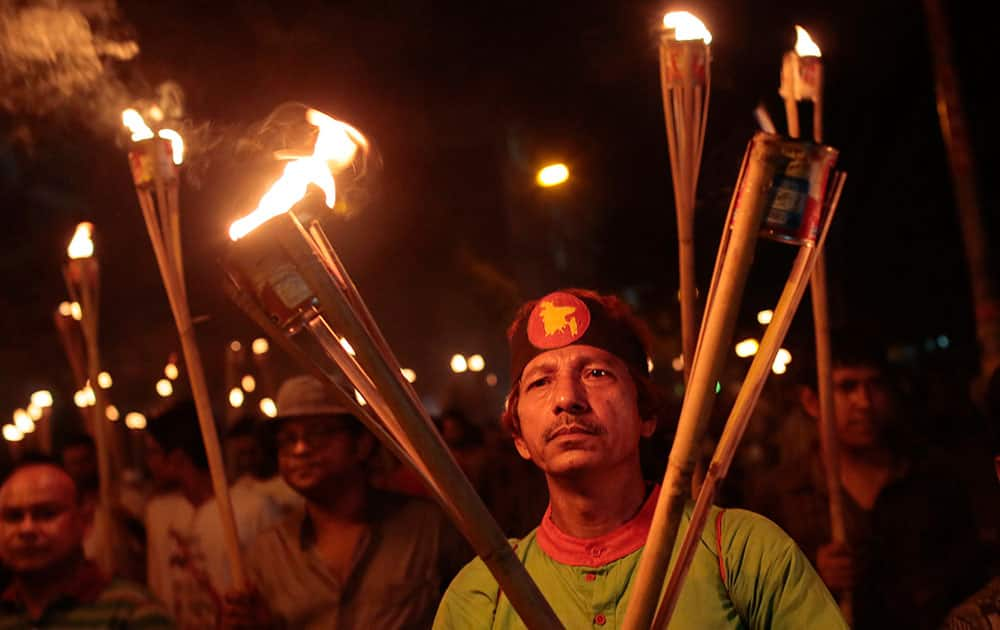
{"x":580,"y":402}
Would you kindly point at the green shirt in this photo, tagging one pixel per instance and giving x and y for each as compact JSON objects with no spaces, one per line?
{"x":769,"y":582}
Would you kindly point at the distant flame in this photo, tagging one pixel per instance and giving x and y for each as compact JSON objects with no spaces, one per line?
{"x":804,"y":45}
{"x":133,"y":120}
{"x":686,"y":27}
{"x":81,"y":246}
{"x":335,"y":148}
{"x":141,"y":131}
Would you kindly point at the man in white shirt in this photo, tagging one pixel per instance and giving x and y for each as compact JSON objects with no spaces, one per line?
{"x":187,"y":566}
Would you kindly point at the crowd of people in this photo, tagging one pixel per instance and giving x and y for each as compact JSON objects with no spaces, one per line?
{"x":335,"y":533}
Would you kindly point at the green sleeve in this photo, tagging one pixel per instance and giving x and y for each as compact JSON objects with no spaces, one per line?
{"x":471,"y":600}
{"x":770,"y":580}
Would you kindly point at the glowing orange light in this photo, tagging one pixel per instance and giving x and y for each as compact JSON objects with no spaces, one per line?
{"x":133,"y":120}
{"x":336,"y":145}
{"x":176,"y":144}
{"x":804,"y":45}
{"x":81,"y":246}
{"x":686,"y":27}
{"x":552,"y":175}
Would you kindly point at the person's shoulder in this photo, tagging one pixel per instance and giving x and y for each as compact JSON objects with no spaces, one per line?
{"x":141,"y":607}
{"x":286,"y":529}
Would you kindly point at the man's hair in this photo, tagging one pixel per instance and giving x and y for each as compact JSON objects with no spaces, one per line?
{"x":651,"y":401}
{"x":849,"y":347}
{"x":177,"y":429}
{"x":36,"y":458}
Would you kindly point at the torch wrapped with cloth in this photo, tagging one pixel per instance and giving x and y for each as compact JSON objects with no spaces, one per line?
{"x":685,"y":79}
{"x":786,"y":191}
{"x":802,"y":81}
{"x":284,"y":273}
{"x":154,"y":161}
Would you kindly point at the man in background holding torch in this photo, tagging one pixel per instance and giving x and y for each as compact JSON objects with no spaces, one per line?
{"x":354,"y":556}
{"x":580,"y":403}
{"x":911,"y":544}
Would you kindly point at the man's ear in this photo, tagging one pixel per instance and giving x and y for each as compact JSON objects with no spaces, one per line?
{"x":809,"y":400}
{"x":521,"y":445}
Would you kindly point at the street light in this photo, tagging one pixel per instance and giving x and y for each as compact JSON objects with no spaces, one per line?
{"x":459,"y":364}
{"x":552,"y":175}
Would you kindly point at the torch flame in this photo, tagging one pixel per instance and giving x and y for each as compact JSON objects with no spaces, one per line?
{"x":686,"y":27}
{"x":81,"y":246}
{"x":133,"y":120}
{"x":176,"y":144}
{"x":141,"y":131}
{"x":804,"y":45}
{"x":336,"y":145}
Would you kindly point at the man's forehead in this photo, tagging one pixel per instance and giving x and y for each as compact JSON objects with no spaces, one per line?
{"x":41,"y":483}
{"x":576,"y":353}
{"x":298,"y":423}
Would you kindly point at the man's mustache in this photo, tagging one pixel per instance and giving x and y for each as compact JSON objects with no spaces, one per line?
{"x":572,"y":423}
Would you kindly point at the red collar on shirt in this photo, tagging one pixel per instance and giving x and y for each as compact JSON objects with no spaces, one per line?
{"x":84,"y":585}
{"x":595,"y":552}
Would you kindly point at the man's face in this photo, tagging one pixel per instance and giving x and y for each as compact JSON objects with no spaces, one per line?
{"x":80,"y":461}
{"x":864,"y":405}
{"x":578,"y":412}
{"x":314,"y":450}
{"x":40,"y":520}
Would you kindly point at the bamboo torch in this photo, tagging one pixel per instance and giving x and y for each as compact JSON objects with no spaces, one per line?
{"x":802,"y":80}
{"x":685,"y":79}
{"x":286,"y":275}
{"x":154,"y":161}
{"x":739,"y":417}
{"x":83,"y":283}
{"x":763,"y":160}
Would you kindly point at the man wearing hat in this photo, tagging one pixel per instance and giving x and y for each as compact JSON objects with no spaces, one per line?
{"x":353,"y":556}
{"x":581,"y":399}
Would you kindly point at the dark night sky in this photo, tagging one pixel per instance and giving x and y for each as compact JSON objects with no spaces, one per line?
{"x":463,"y":102}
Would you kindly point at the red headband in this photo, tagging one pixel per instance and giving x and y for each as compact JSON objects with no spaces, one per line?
{"x":561,"y":319}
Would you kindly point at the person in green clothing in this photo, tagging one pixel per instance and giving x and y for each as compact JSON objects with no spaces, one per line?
{"x":52,"y":584}
{"x":580,"y":402}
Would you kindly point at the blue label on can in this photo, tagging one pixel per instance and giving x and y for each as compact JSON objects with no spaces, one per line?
{"x":786,"y":204}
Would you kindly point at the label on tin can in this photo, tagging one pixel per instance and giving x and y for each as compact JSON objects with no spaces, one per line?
{"x":798,"y":188}
{"x":150,"y":160}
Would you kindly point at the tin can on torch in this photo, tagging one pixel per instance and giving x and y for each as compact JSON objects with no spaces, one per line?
{"x":259,"y":266}
{"x":150,"y":161}
{"x":795,"y":178}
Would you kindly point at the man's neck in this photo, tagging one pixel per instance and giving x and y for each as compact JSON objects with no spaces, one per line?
{"x":872,"y":457}
{"x":39,"y":589}
{"x":196,"y":486}
{"x":340,"y":503}
{"x":595,"y":504}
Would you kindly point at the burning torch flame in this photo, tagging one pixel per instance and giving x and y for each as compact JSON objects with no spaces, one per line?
{"x":133,"y":120}
{"x":176,"y":144}
{"x":336,"y":145}
{"x":141,"y":131}
{"x":81,"y":246}
{"x":804,"y":45}
{"x":686,"y":27}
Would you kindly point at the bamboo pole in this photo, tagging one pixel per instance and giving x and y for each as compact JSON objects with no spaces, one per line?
{"x":961,"y":163}
{"x":791,"y":91}
{"x":282,"y":247}
{"x":83,"y":283}
{"x":477,"y":525}
{"x":720,"y":319}
{"x":746,"y":400}
{"x":685,"y":80}
{"x":166,"y":248}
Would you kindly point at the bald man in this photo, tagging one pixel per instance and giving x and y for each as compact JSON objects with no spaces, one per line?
{"x":51,"y":584}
